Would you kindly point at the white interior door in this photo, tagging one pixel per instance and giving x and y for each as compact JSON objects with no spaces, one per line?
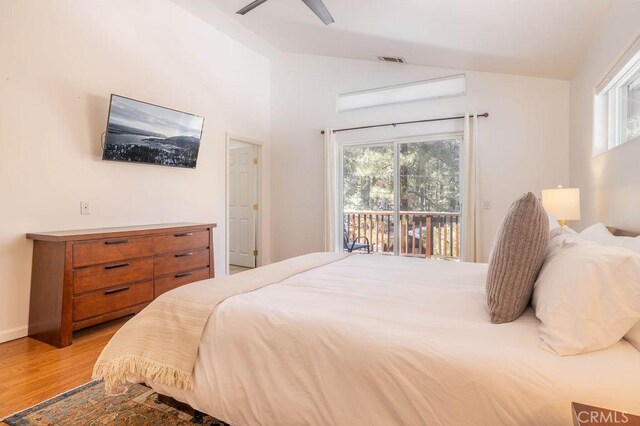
{"x":243,"y":195}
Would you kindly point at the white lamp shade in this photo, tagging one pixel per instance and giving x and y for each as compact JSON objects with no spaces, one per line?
{"x":562,"y":203}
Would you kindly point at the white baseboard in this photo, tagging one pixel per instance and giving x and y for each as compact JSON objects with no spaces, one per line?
{"x":13,"y":333}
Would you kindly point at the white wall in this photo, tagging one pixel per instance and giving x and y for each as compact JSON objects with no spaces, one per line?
{"x":524,"y":143}
{"x":59,"y":61}
{"x":610,"y":182}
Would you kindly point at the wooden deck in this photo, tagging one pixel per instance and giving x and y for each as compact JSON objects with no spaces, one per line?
{"x":421,"y":234}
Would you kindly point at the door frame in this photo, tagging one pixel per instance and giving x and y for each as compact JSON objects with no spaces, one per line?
{"x":260,"y":199}
{"x":395,"y":144}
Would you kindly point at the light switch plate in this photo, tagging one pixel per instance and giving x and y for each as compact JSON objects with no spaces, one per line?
{"x":486,"y":204}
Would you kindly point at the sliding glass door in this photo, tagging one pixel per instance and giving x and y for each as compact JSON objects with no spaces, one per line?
{"x":403,"y":197}
{"x":368,"y":197}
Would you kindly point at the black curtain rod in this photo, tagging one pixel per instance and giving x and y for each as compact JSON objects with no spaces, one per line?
{"x":486,"y":114}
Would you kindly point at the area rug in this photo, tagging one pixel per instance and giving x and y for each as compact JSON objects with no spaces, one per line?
{"x":88,"y":405}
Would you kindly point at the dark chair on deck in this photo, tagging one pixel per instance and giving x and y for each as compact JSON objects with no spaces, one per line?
{"x":350,"y":246}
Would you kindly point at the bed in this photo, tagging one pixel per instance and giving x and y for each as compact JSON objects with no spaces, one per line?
{"x":370,"y":340}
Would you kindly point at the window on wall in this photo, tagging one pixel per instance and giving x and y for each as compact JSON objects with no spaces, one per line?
{"x":624,"y":108}
{"x":436,"y":88}
{"x":617,"y":103}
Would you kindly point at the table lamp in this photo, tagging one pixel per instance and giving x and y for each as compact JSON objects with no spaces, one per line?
{"x":562,"y":203}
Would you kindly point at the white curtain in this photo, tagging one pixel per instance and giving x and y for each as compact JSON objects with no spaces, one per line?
{"x":331,"y":230}
{"x":470,"y":190}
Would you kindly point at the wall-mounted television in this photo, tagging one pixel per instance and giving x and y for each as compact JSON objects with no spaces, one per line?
{"x":145,"y":133}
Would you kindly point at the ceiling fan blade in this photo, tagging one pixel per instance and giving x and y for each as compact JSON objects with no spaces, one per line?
{"x":321,"y":10}
{"x":250,"y":6}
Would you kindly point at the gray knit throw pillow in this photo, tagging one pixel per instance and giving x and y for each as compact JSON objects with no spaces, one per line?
{"x":518,"y":254}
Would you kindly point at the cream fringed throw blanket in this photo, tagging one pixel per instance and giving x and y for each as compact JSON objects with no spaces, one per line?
{"x":160,"y":344}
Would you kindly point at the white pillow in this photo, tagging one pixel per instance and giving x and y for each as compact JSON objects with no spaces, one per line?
{"x":599,"y":233}
{"x":557,"y":236}
{"x":553,"y":222}
{"x":587,"y":295}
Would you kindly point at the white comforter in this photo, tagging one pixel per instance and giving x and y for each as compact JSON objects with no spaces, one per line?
{"x":374,"y":340}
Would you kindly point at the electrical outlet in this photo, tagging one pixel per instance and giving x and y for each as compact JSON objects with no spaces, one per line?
{"x":486,"y":204}
{"x":84,"y":207}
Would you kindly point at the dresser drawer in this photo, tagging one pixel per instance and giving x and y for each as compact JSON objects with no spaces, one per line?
{"x":112,"y":274}
{"x":180,"y":241}
{"x":169,"y":282}
{"x":115,"y":298}
{"x":180,"y":262}
{"x":111,"y":250}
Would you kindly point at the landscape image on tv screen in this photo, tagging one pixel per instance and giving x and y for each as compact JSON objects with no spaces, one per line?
{"x":146,"y":133}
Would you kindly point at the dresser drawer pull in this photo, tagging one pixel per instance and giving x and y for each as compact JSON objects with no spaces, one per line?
{"x":116,"y":290}
{"x":117,"y":265}
{"x":183,"y":254}
{"x":184,"y":274}
{"x":111,"y":242}
{"x":185,"y":234}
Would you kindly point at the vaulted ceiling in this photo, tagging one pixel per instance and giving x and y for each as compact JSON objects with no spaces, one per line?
{"x":545,"y":38}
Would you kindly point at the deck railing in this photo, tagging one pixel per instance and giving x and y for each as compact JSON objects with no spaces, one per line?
{"x":421,"y":234}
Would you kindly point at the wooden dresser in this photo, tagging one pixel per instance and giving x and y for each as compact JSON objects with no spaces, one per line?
{"x":86,"y":277}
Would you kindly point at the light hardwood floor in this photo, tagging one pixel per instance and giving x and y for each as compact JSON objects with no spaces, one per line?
{"x":32,"y":371}
{"x":234,"y":269}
